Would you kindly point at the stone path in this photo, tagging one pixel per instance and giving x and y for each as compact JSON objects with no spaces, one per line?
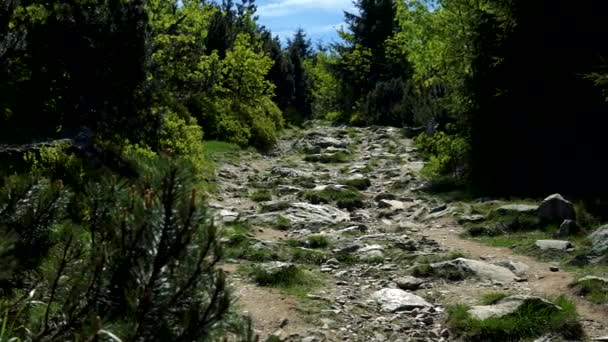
{"x":377,"y":242}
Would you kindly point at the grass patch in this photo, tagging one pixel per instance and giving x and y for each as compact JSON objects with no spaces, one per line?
{"x":594,"y":290}
{"x":493,"y":297}
{"x":348,"y":198}
{"x":425,"y":270}
{"x":282,"y":223}
{"x":294,"y":281}
{"x":530,"y":321}
{"x":357,"y":183}
{"x":308,"y":256}
{"x":433,"y":258}
{"x":311,"y":241}
{"x":215,"y":150}
{"x":261,"y":196}
{"x":328,"y":158}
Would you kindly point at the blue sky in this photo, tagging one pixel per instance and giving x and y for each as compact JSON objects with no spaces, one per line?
{"x":319,"y":18}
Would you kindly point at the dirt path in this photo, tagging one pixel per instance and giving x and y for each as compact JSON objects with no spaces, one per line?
{"x":374,"y":238}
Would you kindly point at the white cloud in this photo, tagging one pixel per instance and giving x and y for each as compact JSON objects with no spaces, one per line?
{"x":283,"y":8}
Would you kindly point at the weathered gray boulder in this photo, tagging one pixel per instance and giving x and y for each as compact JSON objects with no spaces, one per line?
{"x":475,"y":268}
{"x":518,"y":268}
{"x":228,"y":216}
{"x":568,"y":228}
{"x":391,"y":204}
{"x":272,"y":206}
{"x":510,"y":305}
{"x":517,"y":209}
{"x":392,"y":300}
{"x":560,"y":245}
{"x":409,"y":283}
{"x":600,"y":280}
{"x":556,"y":209}
{"x":371,"y":252}
{"x":301,"y":214}
{"x":599,"y":240}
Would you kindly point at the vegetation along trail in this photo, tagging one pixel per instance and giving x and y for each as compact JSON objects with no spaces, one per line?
{"x":333,"y":238}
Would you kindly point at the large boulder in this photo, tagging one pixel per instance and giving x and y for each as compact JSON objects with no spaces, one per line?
{"x":560,"y":245}
{"x":556,"y":209}
{"x":475,"y":268}
{"x":392,"y":300}
{"x":517,"y":209}
{"x":599,"y":240}
{"x":510,"y":305}
{"x":303,"y":215}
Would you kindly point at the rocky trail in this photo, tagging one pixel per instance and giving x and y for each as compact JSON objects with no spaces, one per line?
{"x":378,"y":238}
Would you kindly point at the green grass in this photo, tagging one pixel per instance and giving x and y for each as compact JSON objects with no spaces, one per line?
{"x":357,"y":183}
{"x":593,"y":290}
{"x":528,"y":322}
{"x":309,"y":257}
{"x":221,"y":150}
{"x":295,"y":281}
{"x":493,"y":297}
{"x":348,"y":198}
{"x":282,"y":223}
{"x":261,"y":196}
{"x":329,"y":158}
{"x":311,"y":241}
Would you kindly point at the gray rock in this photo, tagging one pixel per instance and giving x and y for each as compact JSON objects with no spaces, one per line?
{"x":517,"y":209}
{"x":480,"y":269}
{"x":518,"y":268}
{"x":273,"y":206}
{"x":304,"y":214}
{"x":555,"y":208}
{"x":599,"y":240}
{"x":409,"y":283}
{"x":228,"y":216}
{"x":438,"y":209}
{"x":560,"y":245}
{"x":392,"y":300}
{"x":603,"y":281}
{"x":470,"y":219}
{"x":371,"y":252}
{"x":510,"y":305}
{"x":568,"y":228}
{"x":392,"y":204}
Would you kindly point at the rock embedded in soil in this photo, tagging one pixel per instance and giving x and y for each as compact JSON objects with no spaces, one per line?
{"x":409,"y":283}
{"x":480,"y":269}
{"x":517,"y":209}
{"x":392,"y":300}
{"x":510,"y":305}
{"x":560,"y":245}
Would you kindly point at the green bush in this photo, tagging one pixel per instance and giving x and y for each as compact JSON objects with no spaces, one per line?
{"x":493,"y":298}
{"x":447,"y":155}
{"x":357,"y":183}
{"x":139,"y":262}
